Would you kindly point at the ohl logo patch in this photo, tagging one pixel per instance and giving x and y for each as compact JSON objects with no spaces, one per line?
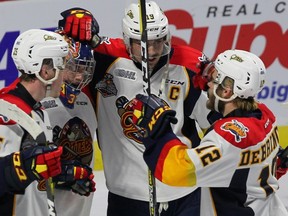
{"x":235,"y":128}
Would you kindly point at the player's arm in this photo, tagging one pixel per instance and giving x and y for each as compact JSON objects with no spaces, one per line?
{"x":113,"y":47}
{"x":168,"y":158}
{"x":19,"y":169}
{"x":162,"y":147}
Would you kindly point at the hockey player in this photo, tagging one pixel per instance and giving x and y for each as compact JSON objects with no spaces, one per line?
{"x":117,"y":81}
{"x":38,"y":55}
{"x":235,"y":162}
{"x":73,"y":120}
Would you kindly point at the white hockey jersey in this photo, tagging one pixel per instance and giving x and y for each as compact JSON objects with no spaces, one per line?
{"x":234,"y":165}
{"x":14,"y":138}
{"x":122,"y":150}
{"x":76,"y":130}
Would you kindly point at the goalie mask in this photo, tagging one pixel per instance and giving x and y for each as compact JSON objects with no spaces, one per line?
{"x":78,"y":71}
{"x":34,"y":46}
{"x":157,"y":25}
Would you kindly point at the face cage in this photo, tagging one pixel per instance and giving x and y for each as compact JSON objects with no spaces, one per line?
{"x":84,"y":68}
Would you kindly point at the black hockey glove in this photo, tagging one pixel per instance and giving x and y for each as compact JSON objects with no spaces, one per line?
{"x":153,"y":114}
{"x":121,"y":101}
{"x":40,"y":162}
{"x":282,"y":162}
{"x":77,"y":177}
{"x":80,"y":24}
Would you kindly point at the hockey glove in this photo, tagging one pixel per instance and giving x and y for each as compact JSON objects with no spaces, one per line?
{"x":153,"y":114}
{"x":201,"y":79}
{"x":77,"y":177}
{"x":40,"y":162}
{"x":80,"y":24}
{"x":282,"y":162}
{"x":200,"y":82}
{"x":121,"y":101}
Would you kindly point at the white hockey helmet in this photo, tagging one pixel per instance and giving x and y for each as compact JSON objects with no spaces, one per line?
{"x":33,"y":46}
{"x":245,"y":68}
{"x":157,"y":23}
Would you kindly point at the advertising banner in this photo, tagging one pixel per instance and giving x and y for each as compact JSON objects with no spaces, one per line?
{"x":259,"y":26}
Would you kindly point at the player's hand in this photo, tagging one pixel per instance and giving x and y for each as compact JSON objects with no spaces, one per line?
{"x":153,"y":114}
{"x":200,"y":82}
{"x":84,"y":187}
{"x":40,"y":162}
{"x":200,"y":79}
{"x":76,"y":176}
{"x":80,"y":24}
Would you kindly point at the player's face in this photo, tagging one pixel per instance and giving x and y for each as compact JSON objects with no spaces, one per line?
{"x":79,"y":75}
{"x":155,"y":50}
{"x":74,"y":77}
{"x":56,"y":85}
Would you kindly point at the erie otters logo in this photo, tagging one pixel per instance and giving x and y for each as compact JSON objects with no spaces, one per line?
{"x":77,"y":142}
{"x":76,"y":139}
{"x":235,"y":128}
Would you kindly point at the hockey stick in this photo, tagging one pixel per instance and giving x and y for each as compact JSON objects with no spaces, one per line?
{"x":144,"y":47}
{"x":147,"y":90}
{"x":13,"y":112}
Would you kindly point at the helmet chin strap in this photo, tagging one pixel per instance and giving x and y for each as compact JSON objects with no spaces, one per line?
{"x":48,"y":90}
{"x":218,"y":98}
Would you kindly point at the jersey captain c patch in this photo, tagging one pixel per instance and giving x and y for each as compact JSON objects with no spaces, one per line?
{"x":235,"y":128}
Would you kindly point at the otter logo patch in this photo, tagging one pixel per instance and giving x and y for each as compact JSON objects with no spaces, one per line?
{"x":235,"y":128}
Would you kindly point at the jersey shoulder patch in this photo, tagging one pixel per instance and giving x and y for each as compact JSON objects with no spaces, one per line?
{"x":240,"y":132}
